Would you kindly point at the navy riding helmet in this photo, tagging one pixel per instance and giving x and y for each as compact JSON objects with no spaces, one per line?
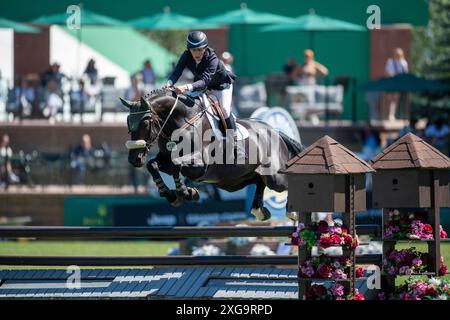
{"x":196,"y":39}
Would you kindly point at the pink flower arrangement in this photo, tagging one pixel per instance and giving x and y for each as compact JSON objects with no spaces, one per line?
{"x":335,"y":292}
{"x":325,"y":267}
{"x":408,"y":262}
{"x":420,"y":289}
{"x":409,"y":226}
{"x":442,"y":233}
{"x":323,"y":235}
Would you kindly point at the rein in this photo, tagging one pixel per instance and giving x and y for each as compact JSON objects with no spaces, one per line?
{"x":164,"y":124}
{"x":138,"y":144}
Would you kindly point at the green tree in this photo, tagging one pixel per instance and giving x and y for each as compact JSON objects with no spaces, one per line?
{"x":431,"y":59}
{"x":172,"y":40}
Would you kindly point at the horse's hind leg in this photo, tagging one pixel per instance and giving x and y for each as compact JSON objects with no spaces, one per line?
{"x":258,"y":210}
{"x":189,"y":194}
{"x":164,"y":191}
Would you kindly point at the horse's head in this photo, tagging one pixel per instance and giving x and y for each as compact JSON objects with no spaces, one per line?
{"x":147,"y":122}
{"x":139,"y":123}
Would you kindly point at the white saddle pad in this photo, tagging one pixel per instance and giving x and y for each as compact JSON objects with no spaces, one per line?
{"x":214,"y":121}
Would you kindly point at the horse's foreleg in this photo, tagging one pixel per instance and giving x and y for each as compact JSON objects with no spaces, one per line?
{"x":189,"y":194}
{"x":258,"y":210}
{"x":164,"y":191}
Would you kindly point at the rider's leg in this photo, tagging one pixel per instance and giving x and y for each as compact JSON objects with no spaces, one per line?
{"x":225,"y":98}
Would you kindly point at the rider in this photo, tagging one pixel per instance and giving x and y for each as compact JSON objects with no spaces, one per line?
{"x":209,"y":73}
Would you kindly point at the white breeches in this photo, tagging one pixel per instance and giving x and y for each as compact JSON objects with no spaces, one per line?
{"x":225,"y":96}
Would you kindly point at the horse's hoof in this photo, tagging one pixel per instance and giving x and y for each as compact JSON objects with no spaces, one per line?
{"x":177,"y":202}
{"x":292,"y":215}
{"x":172,"y":198}
{"x":194,"y":194}
{"x":261,"y":214}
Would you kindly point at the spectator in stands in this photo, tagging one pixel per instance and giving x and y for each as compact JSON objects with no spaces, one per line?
{"x":437,"y":133}
{"x":148,"y":75}
{"x":310,"y":70}
{"x":53,"y":101}
{"x":26,"y":97}
{"x":290,"y":71}
{"x":135,"y":91}
{"x":394,"y":66}
{"x":80,"y":158}
{"x":7,"y":176}
{"x":228,"y":59}
{"x":91,"y":71}
{"x":78,"y":99}
{"x":54,"y":74}
{"x":92,"y":89}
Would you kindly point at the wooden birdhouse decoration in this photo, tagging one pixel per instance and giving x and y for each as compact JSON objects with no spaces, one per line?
{"x":407,"y":173}
{"x":321,"y":177}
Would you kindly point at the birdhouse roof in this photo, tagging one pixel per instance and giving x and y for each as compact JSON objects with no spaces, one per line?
{"x":327,"y":156}
{"x":410,"y":151}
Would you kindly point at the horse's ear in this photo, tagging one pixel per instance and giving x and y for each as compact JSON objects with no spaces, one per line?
{"x":126,"y":103}
{"x":144,"y":103}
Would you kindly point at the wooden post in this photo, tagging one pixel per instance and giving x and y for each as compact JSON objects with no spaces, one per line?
{"x":434,"y":247}
{"x":303,"y":254}
{"x":350,"y":222}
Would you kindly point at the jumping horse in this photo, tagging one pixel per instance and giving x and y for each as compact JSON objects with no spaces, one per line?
{"x":161,"y":113}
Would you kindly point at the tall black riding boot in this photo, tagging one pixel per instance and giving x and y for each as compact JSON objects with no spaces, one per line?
{"x":239,"y":152}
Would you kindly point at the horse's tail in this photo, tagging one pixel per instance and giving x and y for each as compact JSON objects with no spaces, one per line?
{"x":293,"y":146}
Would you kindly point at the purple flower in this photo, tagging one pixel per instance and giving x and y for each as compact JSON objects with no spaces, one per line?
{"x":417,"y":262}
{"x":405,"y":270}
{"x":339,"y":274}
{"x":309,"y":271}
{"x":392,"y":271}
{"x":337,"y":290}
{"x":337,"y":230}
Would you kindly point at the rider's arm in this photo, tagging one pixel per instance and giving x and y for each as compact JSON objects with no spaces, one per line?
{"x":178,"y":69}
{"x":207,"y":74}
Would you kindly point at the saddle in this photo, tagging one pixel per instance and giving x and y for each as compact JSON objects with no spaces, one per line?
{"x":217,"y":109}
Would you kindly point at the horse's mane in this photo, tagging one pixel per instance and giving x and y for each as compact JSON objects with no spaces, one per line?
{"x":156,"y":93}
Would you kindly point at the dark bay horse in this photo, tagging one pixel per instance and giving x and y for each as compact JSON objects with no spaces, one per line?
{"x":160,"y":116}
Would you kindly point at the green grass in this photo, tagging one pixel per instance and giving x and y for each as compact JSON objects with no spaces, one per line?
{"x":84,"y":248}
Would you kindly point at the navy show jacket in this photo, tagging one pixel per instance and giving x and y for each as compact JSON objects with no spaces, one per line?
{"x":210,"y":73}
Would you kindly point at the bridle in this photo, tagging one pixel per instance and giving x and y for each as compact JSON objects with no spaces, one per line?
{"x":139,"y":144}
{"x":155,"y":124}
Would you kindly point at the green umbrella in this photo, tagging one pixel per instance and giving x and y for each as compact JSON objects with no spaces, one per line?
{"x":17,"y":26}
{"x":87,"y":17}
{"x":169,"y":21}
{"x":313,"y":23}
{"x":246,"y":16}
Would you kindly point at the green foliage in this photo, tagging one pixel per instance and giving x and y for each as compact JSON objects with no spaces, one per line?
{"x":431,"y":59}
{"x":172,"y":40}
